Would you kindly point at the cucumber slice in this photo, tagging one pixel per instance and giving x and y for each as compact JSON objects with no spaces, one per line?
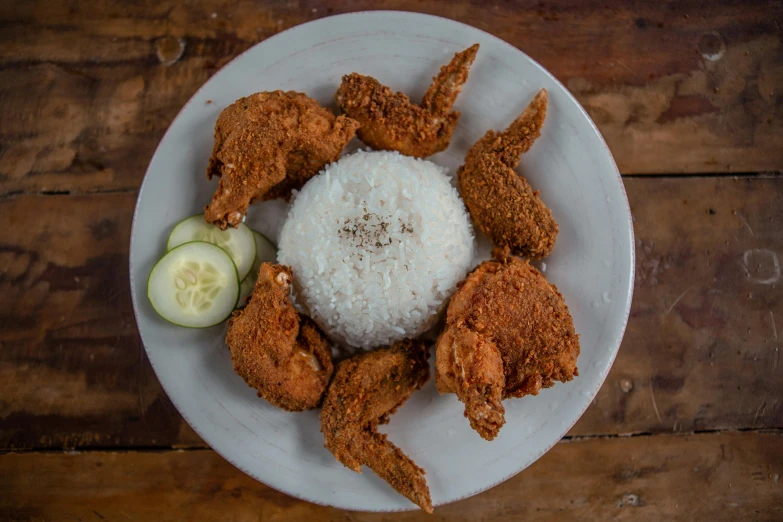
{"x":194,"y":285}
{"x":266,"y":252}
{"x":237,"y":242}
{"x":245,"y":289}
{"x":265,"y":249}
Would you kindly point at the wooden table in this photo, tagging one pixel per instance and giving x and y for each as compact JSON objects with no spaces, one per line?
{"x":689,"y":423}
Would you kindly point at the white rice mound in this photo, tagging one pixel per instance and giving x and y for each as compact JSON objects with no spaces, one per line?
{"x":377,"y":243}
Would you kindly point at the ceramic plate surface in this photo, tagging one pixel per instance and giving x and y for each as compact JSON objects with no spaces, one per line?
{"x":592,"y":263}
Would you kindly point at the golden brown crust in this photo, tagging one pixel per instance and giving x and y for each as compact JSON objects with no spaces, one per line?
{"x":367,"y":389}
{"x":470,"y":365}
{"x":277,"y":351}
{"x":390,"y":121}
{"x":268,"y":144}
{"x":506,"y":308}
{"x":500,"y":201}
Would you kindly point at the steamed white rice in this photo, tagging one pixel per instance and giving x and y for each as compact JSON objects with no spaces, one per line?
{"x":377,"y":243}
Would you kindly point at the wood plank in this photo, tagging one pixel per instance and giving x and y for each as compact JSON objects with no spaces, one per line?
{"x":701,"y":351}
{"x":730,"y":476}
{"x":72,"y":367}
{"x":674,"y":86}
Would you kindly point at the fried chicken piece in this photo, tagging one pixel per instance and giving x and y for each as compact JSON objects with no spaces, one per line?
{"x":470,"y":365}
{"x":389,"y":121}
{"x":276,"y":350}
{"x":268,"y":144}
{"x":500,"y":201}
{"x":367,"y":389}
{"x":508,"y":334}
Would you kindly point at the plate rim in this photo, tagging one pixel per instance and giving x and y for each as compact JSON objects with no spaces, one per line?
{"x":615,"y":347}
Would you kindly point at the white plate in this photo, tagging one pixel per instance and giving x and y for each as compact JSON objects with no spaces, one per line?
{"x":592,"y":263}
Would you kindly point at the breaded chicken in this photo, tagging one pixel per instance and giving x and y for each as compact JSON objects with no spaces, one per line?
{"x":276,"y":350}
{"x":470,"y":365}
{"x":500,"y":201}
{"x":268,"y":144}
{"x":390,"y":121}
{"x":367,"y":389}
{"x":508,"y":334}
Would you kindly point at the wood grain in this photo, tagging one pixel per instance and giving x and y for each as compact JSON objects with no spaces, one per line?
{"x":72,"y":367}
{"x":701,"y":351}
{"x":730,"y":476}
{"x":674,"y":86}
{"x":702,"y":348}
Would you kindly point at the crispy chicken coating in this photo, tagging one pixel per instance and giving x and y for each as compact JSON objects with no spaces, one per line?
{"x":276,"y":350}
{"x":367,"y":389}
{"x":268,"y":144}
{"x":508,"y":334}
{"x":471,"y":366}
{"x":500,"y":201}
{"x":390,"y":121}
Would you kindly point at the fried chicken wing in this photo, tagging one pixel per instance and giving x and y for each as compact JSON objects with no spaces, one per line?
{"x":390,"y":121}
{"x":277,"y":351}
{"x":500,"y":201}
{"x":367,"y":389}
{"x":470,"y":365}
{"x":508,"y":334}
{"x":268,"y":144}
